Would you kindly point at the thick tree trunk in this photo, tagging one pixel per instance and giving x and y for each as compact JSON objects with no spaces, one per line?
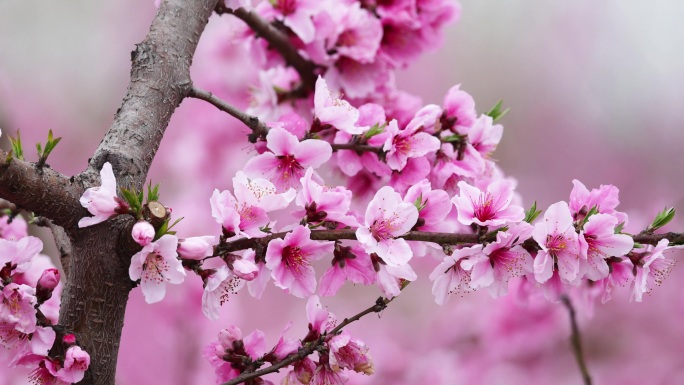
{"x":95,"y":296}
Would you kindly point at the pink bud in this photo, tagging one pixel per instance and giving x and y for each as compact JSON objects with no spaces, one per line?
{"x":49,"y":279}
{"x":229,"y":335}
{"x":196,"y":247}
{"x":245,"y":269}
{"x":143,"y":233}
{"x":69,"y":339}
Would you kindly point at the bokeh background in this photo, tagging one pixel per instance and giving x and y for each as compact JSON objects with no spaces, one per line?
{"x":595,"y":91}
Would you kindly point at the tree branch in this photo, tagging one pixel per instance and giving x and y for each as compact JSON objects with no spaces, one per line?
{"x":160,"y":80}
{"x":653,"y":239}
{"x":259,"y":129}
{"x":335,"y":235}
{"x":380,"y":305}
{"x":278,"y":40}
{"x":576,"y":340}
{"x":45,"y":192}
{"x":357,"y":147}
{"x":423,"y":236}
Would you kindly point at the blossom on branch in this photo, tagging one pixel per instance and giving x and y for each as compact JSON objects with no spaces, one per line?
{"x":388,"y":217}
{"x":102,"y":201}
{"x":156,"y":265}
{"x":290,"y":260}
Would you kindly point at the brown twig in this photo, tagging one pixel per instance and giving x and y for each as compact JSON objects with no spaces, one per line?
{"x":652,"y":239}
{"x":380,"y":305}
{"x":259,"y":129}
{"x":334,"y":235}
{"x":281,"y":43}
{"x":357,"y":147}
{"x":576,"y":340}
{"x":423,"y":236}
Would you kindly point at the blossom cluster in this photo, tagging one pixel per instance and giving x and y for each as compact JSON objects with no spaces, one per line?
{"x":28,"y":309}
{"x":371,"y":181}
{"x":356,"y":46}
{"x":334,"y":355}
{"x":442,"y":196}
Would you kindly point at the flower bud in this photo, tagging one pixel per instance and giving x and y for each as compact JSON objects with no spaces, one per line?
{"x":196,"y":247}
{"x":69,"y":339}
{"x":229,"y":335}
{"x":245,"y":269}
{"x":49,"y":279}
{"x":143,"y":233}
{"x":46,"y":284}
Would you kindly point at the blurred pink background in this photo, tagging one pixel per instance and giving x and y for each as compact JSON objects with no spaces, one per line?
{"x":594,"y":91}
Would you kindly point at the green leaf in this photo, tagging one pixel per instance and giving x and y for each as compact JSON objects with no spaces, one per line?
{"x":453,"y":138}
{"x":592,"y":211}
{"x":16,"y":146}
{"x":496,"y":113}
{"x":619,"y":227}
{"x":419,"y":202}
{"x":163,"y":229}
{"x":375,"y":130}
{"x":662,"y":219}
{"x":39,"y":150}
{"x":152,"y":192}
{"x":532,"y":213}
{"x":176,"y":222}
{"x":133,"y":199}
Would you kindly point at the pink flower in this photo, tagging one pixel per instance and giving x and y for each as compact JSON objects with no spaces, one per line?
{"x":296,"y":14}
{"x":487,"y":208}
{"x":322,"y":203}
{"x":290,"y":259}
{"x":605,"y":199}
{"x":350,"y":263}
{"x":320,"y":320}
{"x":34,"y":348}
{"x":244,"y":214}
{"x":13,"y":228}
{"x":450,"y":276}
{"x":348,"y":353}
{"x":501,"y":260}
{"x":408,"y":143}
{"x":389,"y":278}
{"x":76,"y":362}
{"x":143,"y":233}
{"x":218,"y":288}
{"x":155,"y":265}
{"x":388,"y":217}
{"x":651,"y":268}
{"x":459,"y":111}
{"x":17,"y":311}
{"x":598,"y":242}
{"x":285,"y":165}
{"x":434,"y":205}
{"x":331,"y":110}
{"x":19,"y":253}
{"x":484,"y":135}
{"x":361,"y":35}
{"x":559,"y":245}
{"x":196,"y":248}
{"x":245,"y":267}
{"x":101,"y":201}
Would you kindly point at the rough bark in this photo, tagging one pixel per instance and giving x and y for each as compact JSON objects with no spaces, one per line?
{"x":95,"y":296}
{"x":96,"y":292}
